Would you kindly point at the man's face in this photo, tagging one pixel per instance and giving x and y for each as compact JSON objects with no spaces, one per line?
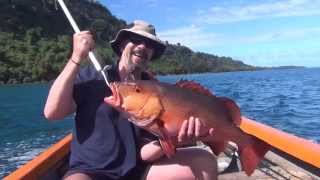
{"x":137,"y":52}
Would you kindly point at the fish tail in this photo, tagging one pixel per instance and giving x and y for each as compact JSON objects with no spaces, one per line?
{"x":252,"y":154}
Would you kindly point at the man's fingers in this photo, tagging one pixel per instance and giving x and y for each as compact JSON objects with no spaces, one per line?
{"x":84,"y":32}
{"x":92,"y":46}
{"x":191,"y":127}
{"x":82,"y":43}
{"x":211,"y":131}
{"x":208,"y":135}
{"x":85,"y":39}
{"x":197,"y":127}
{"x":87,"y":34}
{"x":183,"y":130}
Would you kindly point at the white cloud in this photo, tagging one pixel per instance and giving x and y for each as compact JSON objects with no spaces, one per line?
{"x":151,"y":3}
{"x":284,"y":8}
{"x":300,"y":57}
{"x":118,"y":5}
{"x":197,"y":37}
{"x":284,"y":34}
{"x":191,"y":36}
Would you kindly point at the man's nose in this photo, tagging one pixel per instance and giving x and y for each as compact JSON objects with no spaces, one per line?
{"x":143,"y":44}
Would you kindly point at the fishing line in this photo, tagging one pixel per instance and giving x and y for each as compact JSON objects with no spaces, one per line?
{"x":75,"y":27}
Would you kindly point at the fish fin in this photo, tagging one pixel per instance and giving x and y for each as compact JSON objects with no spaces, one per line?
{"x":217,"y":147}
{"x":233,"y":109}
{"x":166,"y":143}
{"x":252,"y":154}
{"x":168,"y":148}
{"x":194,"y":86}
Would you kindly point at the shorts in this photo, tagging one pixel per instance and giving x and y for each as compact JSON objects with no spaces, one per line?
{"x":137,"y":173}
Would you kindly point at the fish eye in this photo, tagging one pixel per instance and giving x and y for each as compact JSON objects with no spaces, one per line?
{"x":138,"y":90}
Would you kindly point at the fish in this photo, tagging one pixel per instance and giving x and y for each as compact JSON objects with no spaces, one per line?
{"x":161,"y":108}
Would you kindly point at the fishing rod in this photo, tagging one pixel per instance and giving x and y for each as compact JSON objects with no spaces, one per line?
{"x":75,"y":27}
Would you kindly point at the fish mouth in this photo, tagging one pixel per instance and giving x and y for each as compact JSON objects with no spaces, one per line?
{"x":114,"y":99}
{"x":144,"y":123}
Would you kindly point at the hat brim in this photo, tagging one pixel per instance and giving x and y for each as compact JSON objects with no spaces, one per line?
{"x":124,"y":34}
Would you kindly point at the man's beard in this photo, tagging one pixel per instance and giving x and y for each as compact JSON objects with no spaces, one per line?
{"x":134,"y":70}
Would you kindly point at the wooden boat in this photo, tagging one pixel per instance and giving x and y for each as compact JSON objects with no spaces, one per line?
{"x":290,"y":158}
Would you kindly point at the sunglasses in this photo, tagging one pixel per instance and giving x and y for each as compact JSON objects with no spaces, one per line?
{"x":141,"y":40}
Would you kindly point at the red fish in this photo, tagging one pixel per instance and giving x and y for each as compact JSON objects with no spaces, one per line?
{"x":161,"y":108}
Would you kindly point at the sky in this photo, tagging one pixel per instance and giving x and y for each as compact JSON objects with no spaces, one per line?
{"x":257,"y":32}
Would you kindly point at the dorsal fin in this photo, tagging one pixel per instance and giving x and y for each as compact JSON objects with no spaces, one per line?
{"x":194,"y":86}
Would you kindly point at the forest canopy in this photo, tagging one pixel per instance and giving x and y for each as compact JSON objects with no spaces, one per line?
{"x":35,"y":41}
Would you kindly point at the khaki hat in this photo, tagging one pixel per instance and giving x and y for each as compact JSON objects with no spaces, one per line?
{"x":143,"y":29}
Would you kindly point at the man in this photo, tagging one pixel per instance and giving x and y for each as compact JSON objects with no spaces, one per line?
{"x":104,"y":145}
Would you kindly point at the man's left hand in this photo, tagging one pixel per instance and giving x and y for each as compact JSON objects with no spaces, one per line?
{"x":193,"y":130}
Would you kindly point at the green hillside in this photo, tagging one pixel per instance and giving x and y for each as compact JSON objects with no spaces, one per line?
{"x":35,"y":40}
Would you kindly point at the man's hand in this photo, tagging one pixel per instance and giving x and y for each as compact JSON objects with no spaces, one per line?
{"x":82,"y":43}
{"x":193,"y":130}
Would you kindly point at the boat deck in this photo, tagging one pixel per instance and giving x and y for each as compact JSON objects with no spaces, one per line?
{"x":273,"y":166}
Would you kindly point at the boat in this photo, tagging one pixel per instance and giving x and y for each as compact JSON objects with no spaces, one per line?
{"x":291,"y":157}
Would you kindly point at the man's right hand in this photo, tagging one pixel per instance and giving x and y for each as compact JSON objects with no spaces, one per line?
{"x":82,"y":43}
{"x":60,"y":102}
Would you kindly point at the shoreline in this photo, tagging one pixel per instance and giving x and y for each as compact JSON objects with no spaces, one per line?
{"x":260,"y":69}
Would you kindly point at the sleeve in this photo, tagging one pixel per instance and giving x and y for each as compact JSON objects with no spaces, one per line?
{"x":82,"y":85}
{"x":147,"y":137}
{"x":148,"y":75}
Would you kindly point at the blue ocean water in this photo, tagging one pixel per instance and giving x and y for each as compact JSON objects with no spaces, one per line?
{"x":287,"y":99}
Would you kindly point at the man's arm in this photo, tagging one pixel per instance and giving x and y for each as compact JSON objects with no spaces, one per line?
{"x":60,"y":102}
{"x":151,"y":151}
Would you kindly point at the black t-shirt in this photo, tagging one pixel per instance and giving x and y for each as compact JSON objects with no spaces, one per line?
{"x":103,"y":141}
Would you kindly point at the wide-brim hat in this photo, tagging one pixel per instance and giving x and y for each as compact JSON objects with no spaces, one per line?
{"x":139,"y":28}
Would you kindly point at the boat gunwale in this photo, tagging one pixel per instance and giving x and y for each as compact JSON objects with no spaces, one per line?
{"x":299,"y":150}
{"x":43,"y":163}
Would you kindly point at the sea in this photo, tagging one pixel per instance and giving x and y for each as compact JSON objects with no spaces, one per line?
{"x":287,"y":99}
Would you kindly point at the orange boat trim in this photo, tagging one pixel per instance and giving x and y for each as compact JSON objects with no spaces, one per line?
{"x":300,"y":148}
{"x":44,"y":162}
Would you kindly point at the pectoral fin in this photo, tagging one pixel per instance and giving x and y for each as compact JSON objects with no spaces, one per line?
{"x":168,"y":148}
{"x":166,"y":143}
